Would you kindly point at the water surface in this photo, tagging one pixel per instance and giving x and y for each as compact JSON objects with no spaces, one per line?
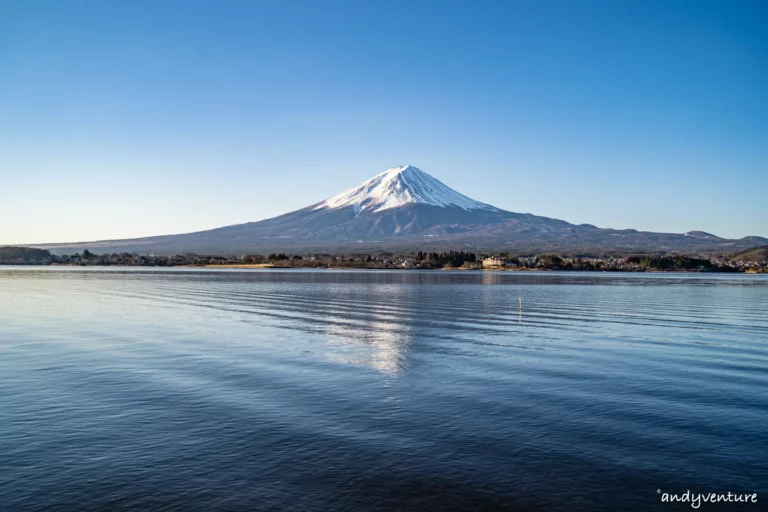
{"x":317,"y":390}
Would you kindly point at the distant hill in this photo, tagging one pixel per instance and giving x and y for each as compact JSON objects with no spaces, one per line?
{"x":405,"y":208}
{"x":756,"y":255}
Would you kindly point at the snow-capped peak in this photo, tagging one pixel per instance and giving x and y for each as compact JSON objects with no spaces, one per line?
{"x":400,"y":186}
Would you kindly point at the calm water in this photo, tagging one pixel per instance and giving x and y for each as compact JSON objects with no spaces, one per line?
{"x":252,"y":390}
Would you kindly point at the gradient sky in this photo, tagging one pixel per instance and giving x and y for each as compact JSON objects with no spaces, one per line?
{"x":128,"y":118}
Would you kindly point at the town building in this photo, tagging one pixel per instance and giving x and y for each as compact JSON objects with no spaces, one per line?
{"x":497,"y":262}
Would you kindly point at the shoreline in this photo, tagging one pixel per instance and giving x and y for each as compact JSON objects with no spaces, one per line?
{"x":260,"y":266}
{"x":421,"y":260}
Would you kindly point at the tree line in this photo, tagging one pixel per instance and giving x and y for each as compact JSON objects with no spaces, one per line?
{"x":418,"y":259}
{"x":12,"y":254}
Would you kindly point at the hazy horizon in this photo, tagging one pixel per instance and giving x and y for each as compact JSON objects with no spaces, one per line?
{"x":142,"y":119}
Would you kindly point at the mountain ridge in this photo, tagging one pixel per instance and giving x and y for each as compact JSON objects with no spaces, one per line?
{"x":406,"y":208}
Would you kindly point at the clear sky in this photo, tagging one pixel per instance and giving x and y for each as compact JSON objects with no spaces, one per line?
{"x":131,"y":118}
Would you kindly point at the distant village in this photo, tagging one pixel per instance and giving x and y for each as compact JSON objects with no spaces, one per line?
{"x":461,"y":260}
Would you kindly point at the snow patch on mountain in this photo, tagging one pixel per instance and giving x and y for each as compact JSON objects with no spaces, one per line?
{"x":400,"y":186}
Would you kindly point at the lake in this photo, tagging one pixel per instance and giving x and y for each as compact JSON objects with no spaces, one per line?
{"x":185,"y":389}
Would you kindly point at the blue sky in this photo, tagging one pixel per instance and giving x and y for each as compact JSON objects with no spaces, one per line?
{"x":122,"y":119}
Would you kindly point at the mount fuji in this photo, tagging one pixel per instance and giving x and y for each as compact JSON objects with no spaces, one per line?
{"x":405,"y":208}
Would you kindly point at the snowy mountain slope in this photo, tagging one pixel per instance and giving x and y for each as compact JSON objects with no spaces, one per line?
{"x":400,"y":186}
{"x":405,"y":208}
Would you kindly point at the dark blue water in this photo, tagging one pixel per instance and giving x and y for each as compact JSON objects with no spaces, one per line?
{"x":264,"y":390}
